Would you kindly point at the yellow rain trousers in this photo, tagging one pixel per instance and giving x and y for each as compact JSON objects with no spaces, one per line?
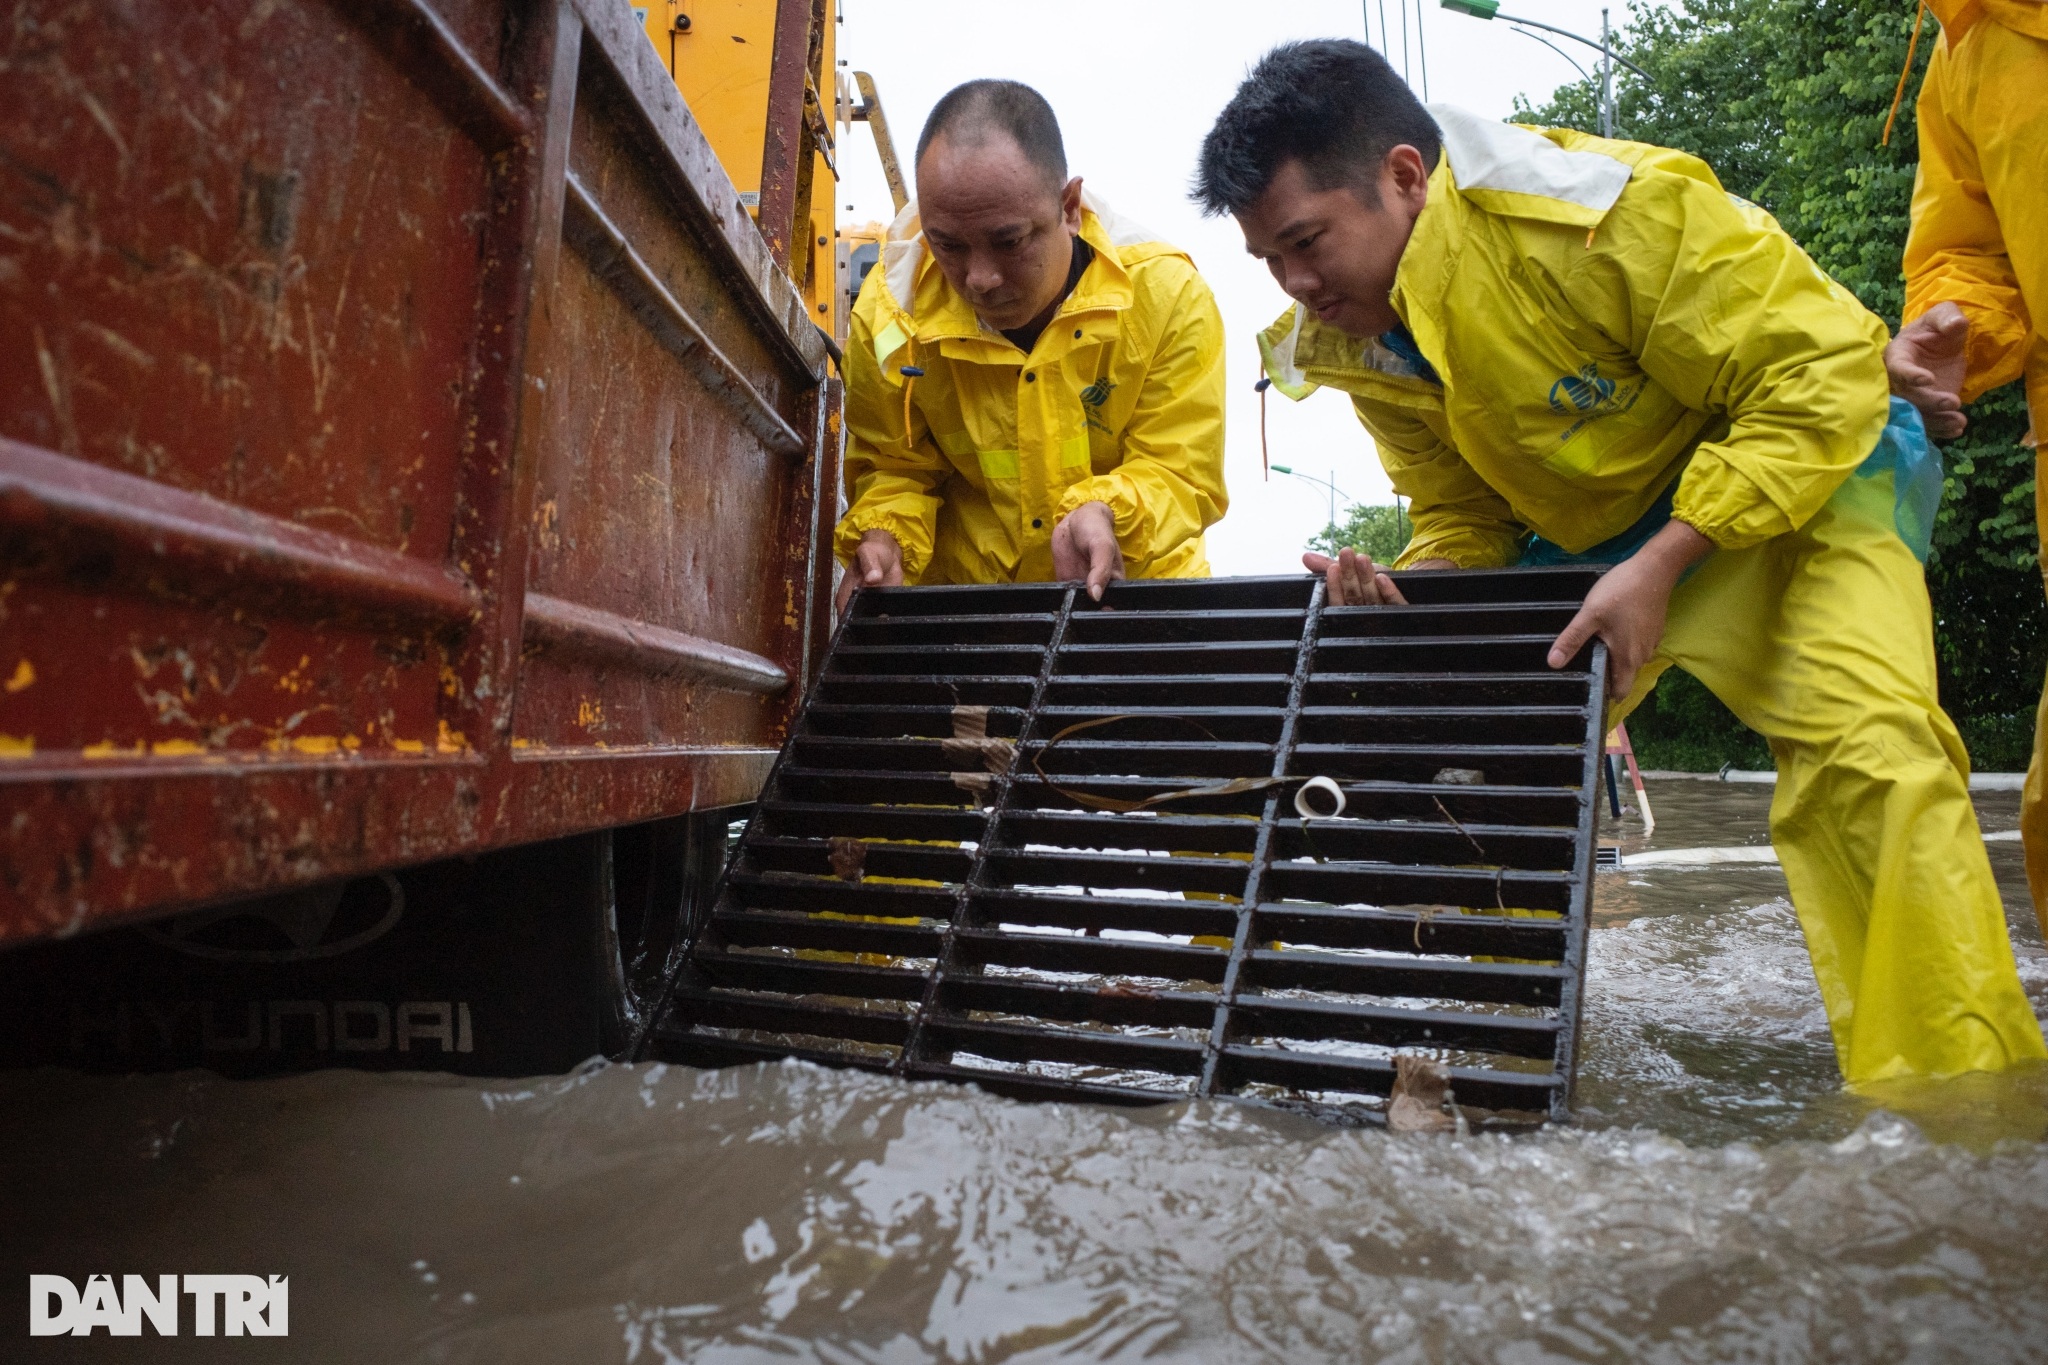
{"x":1980,"y":240}
{"x":1120,"y":402}
{"x":1594,"y":321}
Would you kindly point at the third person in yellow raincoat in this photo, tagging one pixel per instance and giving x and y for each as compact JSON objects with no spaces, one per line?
{"x":1569,"y":348}
{"x":1034,"y":385}
{"x":1977,"y":262}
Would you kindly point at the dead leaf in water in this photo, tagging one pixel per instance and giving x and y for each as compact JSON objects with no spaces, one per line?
{"x":848,"y":857}
{"x":1417,"y":1105}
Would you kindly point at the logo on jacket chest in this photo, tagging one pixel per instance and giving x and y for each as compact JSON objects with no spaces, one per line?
{"x":1588,"y":392}
{"x":1092,"y":399}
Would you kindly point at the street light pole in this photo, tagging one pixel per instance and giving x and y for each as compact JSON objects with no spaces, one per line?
{"x":1329,"y":481}
{"x":1403,"y":526}
{"x":1490,"y":9}
{"x":1606,"y":78}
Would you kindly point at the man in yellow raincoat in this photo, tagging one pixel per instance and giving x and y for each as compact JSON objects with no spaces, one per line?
{"x":1977,"y":262}
{"x":1034,"y":385}
{"x":1573,"y":348}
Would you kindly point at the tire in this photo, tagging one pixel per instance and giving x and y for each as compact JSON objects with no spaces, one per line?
{"x":657,"y":880}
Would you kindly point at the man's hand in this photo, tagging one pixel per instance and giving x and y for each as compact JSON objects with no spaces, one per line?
{"x":1355,"y":581}
{"x":1626,"y":607}
{"x":1925,"y":363}
{"x":1084,"y":547}
{"x":877,"y":563}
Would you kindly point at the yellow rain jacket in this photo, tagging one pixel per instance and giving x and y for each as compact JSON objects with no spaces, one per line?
{"x":1594,"y":321}
{"x":1979,"y":236}
{"x":1619,"y":347}
{"x":1120,"y":402}
{"x":1980,"y":240}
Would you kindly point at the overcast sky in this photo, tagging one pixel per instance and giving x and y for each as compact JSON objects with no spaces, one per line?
{"x":1136,"y":85}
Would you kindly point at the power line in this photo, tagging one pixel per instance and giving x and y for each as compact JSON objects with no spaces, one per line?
{"x":1421,"y":52}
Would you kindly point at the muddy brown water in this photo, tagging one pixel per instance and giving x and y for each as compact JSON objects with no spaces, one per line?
{"x":1719,"y":1198}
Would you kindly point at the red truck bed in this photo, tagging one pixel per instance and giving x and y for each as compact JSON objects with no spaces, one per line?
{"x":407,"y":447}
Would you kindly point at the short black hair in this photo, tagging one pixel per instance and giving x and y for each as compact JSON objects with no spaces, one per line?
{"x":1332,"y":104}
{"x":1009,"y":107}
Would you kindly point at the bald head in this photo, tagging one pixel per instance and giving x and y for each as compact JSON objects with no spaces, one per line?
{"x":974,"y":114}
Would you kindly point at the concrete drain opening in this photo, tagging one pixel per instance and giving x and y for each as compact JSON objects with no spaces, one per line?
{"x":1052,"y":847}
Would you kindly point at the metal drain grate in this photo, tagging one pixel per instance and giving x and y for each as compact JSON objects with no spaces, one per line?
{"x":930,"y":886}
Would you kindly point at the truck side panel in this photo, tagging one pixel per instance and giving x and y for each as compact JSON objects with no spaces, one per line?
{"x":347,"y":519}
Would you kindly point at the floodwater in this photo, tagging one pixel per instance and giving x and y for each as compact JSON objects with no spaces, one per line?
{"x":1719,"y":1199}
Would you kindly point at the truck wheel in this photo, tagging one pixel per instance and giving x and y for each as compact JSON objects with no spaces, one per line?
{"x":655,"y":879}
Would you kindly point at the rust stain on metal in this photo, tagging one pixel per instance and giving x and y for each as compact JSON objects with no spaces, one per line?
{"x":787,"y":164}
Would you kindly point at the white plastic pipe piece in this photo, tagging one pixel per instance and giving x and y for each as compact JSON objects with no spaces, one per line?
{"x":1318,"y":784}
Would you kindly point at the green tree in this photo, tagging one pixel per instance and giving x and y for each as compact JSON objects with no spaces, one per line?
{"x":1787,"y":100}
{"x":1708,"y":92}
{"x":1381,"y":532}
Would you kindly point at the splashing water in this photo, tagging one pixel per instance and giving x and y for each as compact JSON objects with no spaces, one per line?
{"x":1720,"y":1198}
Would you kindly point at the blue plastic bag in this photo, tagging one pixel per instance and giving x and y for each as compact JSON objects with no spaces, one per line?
{"x":1902,"y":451}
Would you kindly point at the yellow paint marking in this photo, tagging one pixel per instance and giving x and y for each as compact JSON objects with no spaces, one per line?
{"x":17,"y":746}
{"x":317,"y":744}
{"x":176,"y":748}
{"x":450,"y":741}
{"x":408,"y":746}
{"x":24,"y":677}
{"x":292,"y":681}
{"x":109,"y":749}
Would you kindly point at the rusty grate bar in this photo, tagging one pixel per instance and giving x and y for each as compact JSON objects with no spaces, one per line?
{"x":930,"y":885}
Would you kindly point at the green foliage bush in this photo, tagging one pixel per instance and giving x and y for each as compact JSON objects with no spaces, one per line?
{"x":1683,"y":726}
{"x":1787,"y":100}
